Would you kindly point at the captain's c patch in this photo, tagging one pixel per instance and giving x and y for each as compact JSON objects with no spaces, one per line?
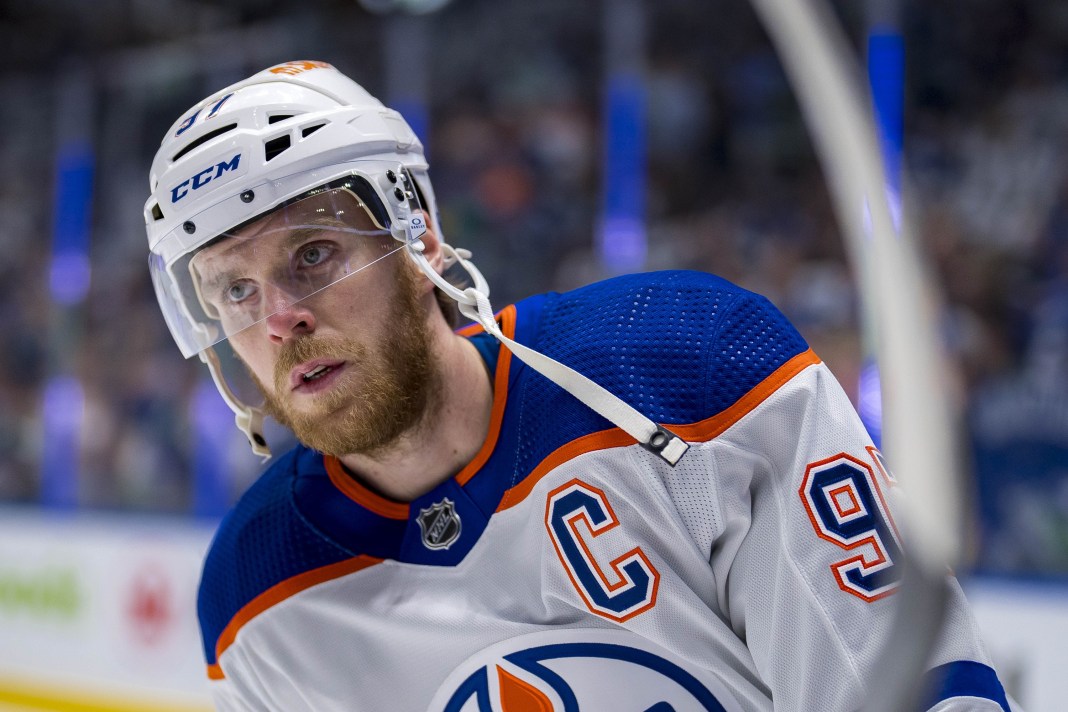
{"x":577,"y":512}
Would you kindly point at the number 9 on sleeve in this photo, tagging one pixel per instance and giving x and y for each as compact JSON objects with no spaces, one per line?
{"x":846,"y":507}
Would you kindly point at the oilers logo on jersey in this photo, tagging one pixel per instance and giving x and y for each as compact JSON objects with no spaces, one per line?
{"x":579,"y":671}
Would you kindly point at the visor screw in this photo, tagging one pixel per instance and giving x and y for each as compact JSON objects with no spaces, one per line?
{"x":247,"y":196}
{"x":189,"y":227}
{"x":398,"y":193}
{"x":391,"y":176}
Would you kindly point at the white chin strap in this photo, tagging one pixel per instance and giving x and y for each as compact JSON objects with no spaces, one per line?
{"x":249,"y":420}
{"x":475,"y":305}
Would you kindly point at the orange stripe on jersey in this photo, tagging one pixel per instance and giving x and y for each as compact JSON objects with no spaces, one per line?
{"x":500,"y":398}
{"x":713,"y":427}
{"x":360,"y":494}
{"x":701,"y":431}
{"x":278,"y":593}
{"x":587,"y":443}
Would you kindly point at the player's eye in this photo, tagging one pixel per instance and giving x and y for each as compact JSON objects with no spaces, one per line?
{"x":238,"y":292}
{"x":314,"y":254}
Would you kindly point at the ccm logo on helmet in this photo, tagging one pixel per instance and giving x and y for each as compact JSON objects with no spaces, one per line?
{"x":204,"y":177}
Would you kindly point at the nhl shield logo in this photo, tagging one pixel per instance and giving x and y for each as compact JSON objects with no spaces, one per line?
{"x":440,"y":524}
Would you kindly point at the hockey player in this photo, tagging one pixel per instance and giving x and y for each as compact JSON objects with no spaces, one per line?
{"x":646,"y":494}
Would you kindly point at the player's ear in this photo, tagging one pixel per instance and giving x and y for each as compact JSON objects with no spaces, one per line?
{"x":432,"y":252}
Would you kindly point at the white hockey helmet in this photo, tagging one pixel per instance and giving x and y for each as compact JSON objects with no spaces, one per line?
{"x":299,"y":148}
{"x":297,"y":134}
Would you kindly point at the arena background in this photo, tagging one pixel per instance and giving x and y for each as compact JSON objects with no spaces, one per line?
{"x":568,"y":141}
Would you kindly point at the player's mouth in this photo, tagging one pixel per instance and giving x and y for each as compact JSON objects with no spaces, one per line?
{"x":315,"y":376}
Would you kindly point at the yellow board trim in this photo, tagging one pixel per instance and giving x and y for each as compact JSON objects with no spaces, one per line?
{"x":60,"y":698}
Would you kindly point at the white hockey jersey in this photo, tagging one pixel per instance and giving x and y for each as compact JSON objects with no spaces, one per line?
{"x":566,"y":568}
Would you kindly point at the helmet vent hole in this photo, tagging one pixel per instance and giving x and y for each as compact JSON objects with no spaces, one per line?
{"x":275,"y":146}
{"x":309,"y":130}
{"x":203,"y":139}
{"x":157,"y":214}
{"x":279,"y":117}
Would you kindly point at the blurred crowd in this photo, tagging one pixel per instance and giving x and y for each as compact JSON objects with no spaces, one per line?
{"x":516,"y":148}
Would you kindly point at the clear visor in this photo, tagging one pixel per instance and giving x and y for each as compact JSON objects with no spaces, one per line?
{"x":267,"y":265}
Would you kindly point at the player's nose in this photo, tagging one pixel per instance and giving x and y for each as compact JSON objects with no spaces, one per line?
{"x":288,"y":319}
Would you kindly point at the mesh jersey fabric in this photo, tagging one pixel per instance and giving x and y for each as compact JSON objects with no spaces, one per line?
{"x":260,"y":542}
{"x":678,"y":346}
